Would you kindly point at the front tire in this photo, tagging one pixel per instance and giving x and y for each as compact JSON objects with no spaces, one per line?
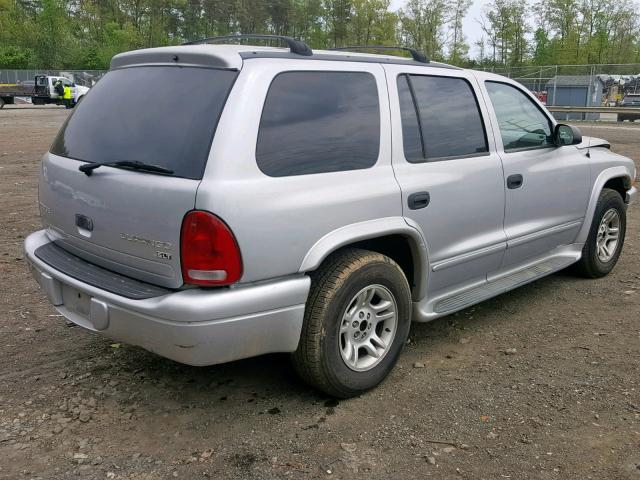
{"x":606,"y":236}
{"x":356,"y":321}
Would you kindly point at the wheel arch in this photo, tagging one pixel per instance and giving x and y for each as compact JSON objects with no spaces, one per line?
{"x":619,"y":184}
{"x":616,"y":178}
{"x":391,"y":236}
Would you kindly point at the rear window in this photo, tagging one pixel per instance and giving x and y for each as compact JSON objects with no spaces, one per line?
{"x":164,"y":116}
{"x":440,"y":119}
{"x":318,"y":122}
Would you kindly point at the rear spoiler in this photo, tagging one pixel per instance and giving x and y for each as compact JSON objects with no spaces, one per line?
{"x":185,"y":56}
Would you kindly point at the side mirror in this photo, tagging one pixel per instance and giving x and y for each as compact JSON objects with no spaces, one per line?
{"x":566,"y":135}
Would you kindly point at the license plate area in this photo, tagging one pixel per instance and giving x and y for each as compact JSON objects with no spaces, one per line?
{"x":76,"y":301}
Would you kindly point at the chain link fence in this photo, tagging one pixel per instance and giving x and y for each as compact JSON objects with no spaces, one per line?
{"x":616,"y":79}
{"x":87,"y":78}
{"x":596,"y":85}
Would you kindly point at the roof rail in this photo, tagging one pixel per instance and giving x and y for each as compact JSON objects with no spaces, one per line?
{"x":295,"y":46}
{"x":416,"y":55}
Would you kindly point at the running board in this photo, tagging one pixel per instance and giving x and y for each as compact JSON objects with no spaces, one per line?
{"x":458,"y":300}
{"x":501,"y":285}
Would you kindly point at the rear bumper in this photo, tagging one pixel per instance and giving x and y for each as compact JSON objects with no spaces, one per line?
{"x":195,"y":326}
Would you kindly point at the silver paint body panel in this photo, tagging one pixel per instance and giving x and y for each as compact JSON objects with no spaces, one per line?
{"x":136,"y":216}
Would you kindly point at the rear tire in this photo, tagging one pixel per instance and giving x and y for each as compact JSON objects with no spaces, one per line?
{"x":606,"y":236}
{"x":356,"y":321}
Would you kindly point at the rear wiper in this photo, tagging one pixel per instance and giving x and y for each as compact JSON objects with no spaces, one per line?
{"x":88,"y":168}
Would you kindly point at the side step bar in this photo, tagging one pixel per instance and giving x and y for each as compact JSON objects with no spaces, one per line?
{"x":501,"y":285}
{"x":457,"y":298}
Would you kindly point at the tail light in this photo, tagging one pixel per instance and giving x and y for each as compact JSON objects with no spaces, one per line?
{"x":209,"y":253}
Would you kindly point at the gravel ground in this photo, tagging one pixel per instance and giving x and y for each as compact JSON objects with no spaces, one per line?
{"x":539,"y":383}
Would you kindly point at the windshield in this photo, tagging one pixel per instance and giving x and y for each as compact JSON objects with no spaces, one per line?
{"x":163,"y":116}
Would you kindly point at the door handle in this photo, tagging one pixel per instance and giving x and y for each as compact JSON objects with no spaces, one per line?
{"x":418,"y":200}
{"x":514,"y":181}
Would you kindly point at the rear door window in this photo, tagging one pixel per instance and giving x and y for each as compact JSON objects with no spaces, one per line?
{"x":318,"y":122}
{"x":440,"y":118}
{"x":164,"y":116}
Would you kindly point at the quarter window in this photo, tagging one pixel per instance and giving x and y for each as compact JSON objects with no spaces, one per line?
{"x":440,"y":118}
{"x":522,"y":124}
{"x":316,"y":122}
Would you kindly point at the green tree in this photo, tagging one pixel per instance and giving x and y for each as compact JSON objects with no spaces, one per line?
{"x":87,"y":33}
{"x":458,"y":47}
{"x":54,"y":39}
{"x":338,"y":16}
{"x":422,"y":26}
{"x":15,"y":57}
{"x":542,"y":54}
{"x":371,"y":23}
{"x":505,"y":24}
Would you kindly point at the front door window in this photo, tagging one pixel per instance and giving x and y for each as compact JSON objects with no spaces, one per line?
{"x":522,"y":124}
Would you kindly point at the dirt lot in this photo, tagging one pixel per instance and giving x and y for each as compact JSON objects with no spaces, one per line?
{"x":540,"y":383}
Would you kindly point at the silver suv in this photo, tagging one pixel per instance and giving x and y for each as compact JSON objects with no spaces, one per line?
{"x":216,"y":202}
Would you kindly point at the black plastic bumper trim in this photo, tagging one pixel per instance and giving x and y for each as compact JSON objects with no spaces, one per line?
{"x":96,"y":276}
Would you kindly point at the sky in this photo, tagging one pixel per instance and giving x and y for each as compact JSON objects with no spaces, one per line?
{"x":471,"y":28}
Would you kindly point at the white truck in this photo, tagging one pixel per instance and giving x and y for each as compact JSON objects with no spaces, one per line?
{"x":41,"y":91}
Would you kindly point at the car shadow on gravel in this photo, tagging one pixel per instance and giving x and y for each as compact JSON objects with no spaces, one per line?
{"x":248,"y":380}
{"x":272,"y":376}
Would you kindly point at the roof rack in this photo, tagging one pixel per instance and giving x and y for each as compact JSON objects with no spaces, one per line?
{"x":295,"y":46}
{"x":416,"y":55}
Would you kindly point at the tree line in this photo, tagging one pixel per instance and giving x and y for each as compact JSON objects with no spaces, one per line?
{"x":85,"y":34}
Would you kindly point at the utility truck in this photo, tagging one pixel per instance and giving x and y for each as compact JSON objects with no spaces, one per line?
{"x":41,"y":91}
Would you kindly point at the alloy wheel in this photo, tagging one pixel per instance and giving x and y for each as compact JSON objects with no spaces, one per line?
{"x":608,"y":235}
{"x":368,"y":327}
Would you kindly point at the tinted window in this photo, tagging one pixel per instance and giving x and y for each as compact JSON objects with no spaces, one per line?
{"x":411,"y":137}
{"x":315,"y":122}
{"x":522,"y":124}
{"x":160,"y":115}
{"x":448,"y":114}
